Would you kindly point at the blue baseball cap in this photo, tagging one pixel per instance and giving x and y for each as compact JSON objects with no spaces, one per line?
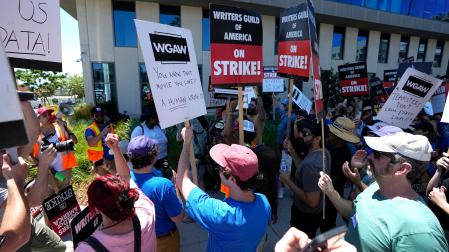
{"x":141,"y":145}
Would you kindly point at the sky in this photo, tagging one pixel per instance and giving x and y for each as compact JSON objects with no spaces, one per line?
{"x":70,"y":43}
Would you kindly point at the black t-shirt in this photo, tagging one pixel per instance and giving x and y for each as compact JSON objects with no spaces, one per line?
{"x":339,"y":156}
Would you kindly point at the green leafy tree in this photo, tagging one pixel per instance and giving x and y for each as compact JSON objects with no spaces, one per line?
{"x":42,"y":83}
{"x":331,"y":88}
{"x":75,"y":86}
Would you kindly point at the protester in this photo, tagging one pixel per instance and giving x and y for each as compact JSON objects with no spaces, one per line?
{"x":256,"y":113}
{"x":437,"y":192}
{"x":268,"y":167}
{"x":282,"y":126}
{"x":296,"y":240}
{"x":95,"y":135}
{"x":307,"y":207}
{"x":142,"y":151}
{"x":150,"y":128}
{"x":55,"y":134}
{"x":341,"y":133}
{"x":15,"y":227}
{"x":128,"y":215}
{"x":239,"y":222}
{"x":389,"y":215}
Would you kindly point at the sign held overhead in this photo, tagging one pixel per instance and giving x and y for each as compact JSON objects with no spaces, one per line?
{"x":30,"y":32}
{"x":172,"y":71}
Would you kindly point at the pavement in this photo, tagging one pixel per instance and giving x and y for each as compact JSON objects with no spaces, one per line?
{"x":194,"y":238}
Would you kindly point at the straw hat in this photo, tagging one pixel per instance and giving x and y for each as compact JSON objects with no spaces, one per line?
{"x":343,"y":128}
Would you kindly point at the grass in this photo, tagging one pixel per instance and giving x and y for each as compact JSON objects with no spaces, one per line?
{"x":82,"y":175}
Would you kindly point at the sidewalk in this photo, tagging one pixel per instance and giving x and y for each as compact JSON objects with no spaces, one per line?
{"x":194,"y":238}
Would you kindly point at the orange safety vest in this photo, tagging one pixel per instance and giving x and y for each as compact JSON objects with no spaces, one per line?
{"x":95,"y":153}
{"x":68,"y":157}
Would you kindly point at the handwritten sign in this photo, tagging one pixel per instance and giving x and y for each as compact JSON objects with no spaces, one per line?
{"x":408,"y":98}
{"x":30,"y":31}
{"x":84,"y":224}
{"x":172,"y":70}
{"x":301,"y":100}
{"x":11,"y":117}
{"x":273,"y":85}
{"x":60,"y":209}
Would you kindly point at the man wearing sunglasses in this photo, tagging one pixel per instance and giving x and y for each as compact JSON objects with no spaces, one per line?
{"x":307,"y":208}
{"x":389,"y":215}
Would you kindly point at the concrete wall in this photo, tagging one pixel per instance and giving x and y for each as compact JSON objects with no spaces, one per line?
{"x":97,"y":45}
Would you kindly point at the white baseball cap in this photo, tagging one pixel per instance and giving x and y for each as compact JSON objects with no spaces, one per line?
{"x":412,"y":146}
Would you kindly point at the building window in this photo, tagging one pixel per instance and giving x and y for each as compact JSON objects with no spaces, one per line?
{"x":276,"y":36}
{"x":170,"y":15}
{"x":145,"y":93}
{"x":338,"y":43}
{"x":403,"y":48}
{"x":438,"y":53}
{"x":362,"y":46}
{"x":383,"y":48}
{"x":422,"y":50}
{"x":206,"y":30}
{"x":104,"y":84}
{"x":124,"y":14}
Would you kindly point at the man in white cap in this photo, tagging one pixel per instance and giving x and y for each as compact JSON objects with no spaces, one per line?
{"x":389,"y":215}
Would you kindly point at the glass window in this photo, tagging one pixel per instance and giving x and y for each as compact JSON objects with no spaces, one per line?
{"x":338,"y":43}
{"x":422,"y":47}
{"x":170,"y":15}
{"x":372,"y":4}
{"x":383,"y":48}
{"x":276,"y":36}
{"x":403,"y":48}
{"x":362,"y":46}
{"x":124,"y":14}
{"x":144,"y":85}
{"x":438,"y":53}
{"x":206,"y":31}
{"x":104,"y":84}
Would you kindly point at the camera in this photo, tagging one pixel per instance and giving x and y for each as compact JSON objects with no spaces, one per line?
{"x":60,"y":147}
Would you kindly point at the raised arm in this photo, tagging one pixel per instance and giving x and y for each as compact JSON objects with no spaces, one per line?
{"x":16,"y":226}
{"x":120,"y":162}
{"x":344,"y":207}
{"x":39,"y":190}
{"x":183,"y":182}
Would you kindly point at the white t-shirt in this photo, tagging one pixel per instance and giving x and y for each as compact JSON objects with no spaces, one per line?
{"x":157,"y":134}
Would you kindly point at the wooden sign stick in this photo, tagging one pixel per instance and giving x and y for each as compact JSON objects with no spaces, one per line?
{"x":240,"y":101}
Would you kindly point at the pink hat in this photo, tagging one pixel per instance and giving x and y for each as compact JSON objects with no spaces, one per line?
{"x":40,"y":111}
{"x":240,"y":160}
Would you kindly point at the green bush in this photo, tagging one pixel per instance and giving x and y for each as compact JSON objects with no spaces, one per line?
{"x":82,"y":112}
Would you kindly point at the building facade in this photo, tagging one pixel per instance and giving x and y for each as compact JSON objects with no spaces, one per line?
{"x":380,"y":32}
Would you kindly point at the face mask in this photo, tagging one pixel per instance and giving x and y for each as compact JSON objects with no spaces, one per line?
{"x":226,"y":190}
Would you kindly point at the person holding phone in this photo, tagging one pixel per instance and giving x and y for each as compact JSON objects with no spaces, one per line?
{"x":389,"y":215}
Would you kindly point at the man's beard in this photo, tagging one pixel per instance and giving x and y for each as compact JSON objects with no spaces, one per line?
{"x":372,"y":171}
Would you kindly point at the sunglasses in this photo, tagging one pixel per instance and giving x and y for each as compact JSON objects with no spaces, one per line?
{"x":379,"y":154}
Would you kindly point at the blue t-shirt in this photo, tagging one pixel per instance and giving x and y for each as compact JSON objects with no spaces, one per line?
{"x":106,"y":155}
{"x":162,"y":193}
{"x":232,"y":225}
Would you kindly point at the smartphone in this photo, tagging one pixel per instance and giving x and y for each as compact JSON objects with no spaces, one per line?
{"x":26,"y":96}
{"x":320,"y":241}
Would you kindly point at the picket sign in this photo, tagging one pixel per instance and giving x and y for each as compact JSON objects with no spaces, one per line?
{"x":172,"y":70}
{"x":301,"y":100}
{"x":408,"y":98}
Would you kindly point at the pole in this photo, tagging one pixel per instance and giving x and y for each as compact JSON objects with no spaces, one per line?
{"x":240,"y":100}
{"x":192,"y":159}
{"x":274,"y":109}
{"x":289,"y":111}
{"x":324,"y":164}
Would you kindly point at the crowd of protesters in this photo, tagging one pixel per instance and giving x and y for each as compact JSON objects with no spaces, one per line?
{"x":387,"y":184}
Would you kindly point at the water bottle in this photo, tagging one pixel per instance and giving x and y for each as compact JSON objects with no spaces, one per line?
{"x":58,"y":175}
{"x":286,"y":162}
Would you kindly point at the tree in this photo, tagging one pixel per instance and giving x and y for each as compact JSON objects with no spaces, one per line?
{"x":42,"y":83}
{"x":75,"y":86}
{"x":331,"y":88}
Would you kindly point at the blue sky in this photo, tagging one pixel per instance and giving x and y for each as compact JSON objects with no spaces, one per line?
{"x":70,"y":43}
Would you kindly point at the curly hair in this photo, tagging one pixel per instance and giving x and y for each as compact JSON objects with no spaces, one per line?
{"x":112,"y":196}
{"x":141,"y":161}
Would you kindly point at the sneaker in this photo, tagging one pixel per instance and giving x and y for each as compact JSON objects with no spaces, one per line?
{"x":281,"y":193}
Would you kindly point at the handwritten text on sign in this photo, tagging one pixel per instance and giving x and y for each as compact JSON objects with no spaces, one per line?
{"x":31,"y":29}
{"x":408,"y":98}
{"x":172,"y":70}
